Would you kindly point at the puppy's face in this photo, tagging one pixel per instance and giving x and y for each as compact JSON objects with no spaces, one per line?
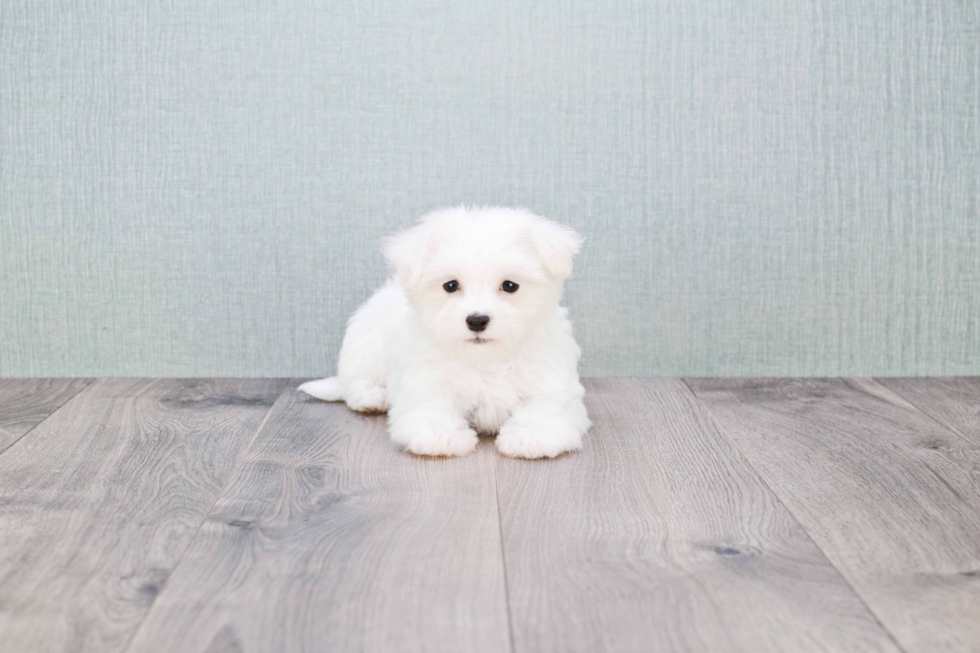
{"x":483,"y":281}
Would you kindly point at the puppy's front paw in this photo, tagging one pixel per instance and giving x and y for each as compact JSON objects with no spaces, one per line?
{"x":443,"y":442}
{"x":537,"y":441}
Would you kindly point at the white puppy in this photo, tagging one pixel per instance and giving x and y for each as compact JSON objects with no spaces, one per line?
{"x":468,"y":337}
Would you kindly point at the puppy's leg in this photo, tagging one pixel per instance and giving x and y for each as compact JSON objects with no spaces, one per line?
{"x":431,"y":429}
{"x":366,"y":397}
{"x":544,"y":428}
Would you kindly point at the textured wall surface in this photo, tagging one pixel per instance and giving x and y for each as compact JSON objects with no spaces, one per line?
{"x":197,"y":187}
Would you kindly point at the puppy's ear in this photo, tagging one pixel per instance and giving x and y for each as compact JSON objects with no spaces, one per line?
{"x":406,"y":252}
{"x":556,"y":245}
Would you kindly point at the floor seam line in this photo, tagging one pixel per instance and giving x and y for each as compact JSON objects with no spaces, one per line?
{"x":778,"y":498}
{"x":503,"y":557}
{"x":190,"y":542}
{"x":914,"y":405}
{"x":33,"y":428}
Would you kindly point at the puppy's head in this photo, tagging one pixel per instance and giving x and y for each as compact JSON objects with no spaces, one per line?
{"x":482,"y":281}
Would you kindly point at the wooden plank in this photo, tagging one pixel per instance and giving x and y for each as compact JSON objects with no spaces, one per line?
{"x":329,"y":538}
{"x":953,"y":401}
{"x":25,"y":403}
{"x":891,"y":496}
{"x":100,"y":501}
{"x":660,"y":537}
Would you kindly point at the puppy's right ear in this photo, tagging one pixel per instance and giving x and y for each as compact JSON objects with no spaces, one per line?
{"x":406,"y":252}
{"x":556,"y":244}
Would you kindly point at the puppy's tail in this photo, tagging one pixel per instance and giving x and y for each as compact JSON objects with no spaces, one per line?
{"x":325,"y":389}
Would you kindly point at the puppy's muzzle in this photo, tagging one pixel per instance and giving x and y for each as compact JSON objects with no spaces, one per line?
{"x":477,"y":322}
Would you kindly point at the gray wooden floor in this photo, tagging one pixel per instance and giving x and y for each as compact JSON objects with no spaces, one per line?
{"x":702,"y":515}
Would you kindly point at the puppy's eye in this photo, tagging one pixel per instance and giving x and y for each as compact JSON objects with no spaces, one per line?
{"x":452,"y":286}
{"x":509,"y":286}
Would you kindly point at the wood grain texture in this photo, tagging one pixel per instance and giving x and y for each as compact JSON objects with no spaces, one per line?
{"x":954,"y":402}
{"x":891,"y":496}
{"x":24,"y":403}
{"x":329,"y":538}
{"x":659,"y":537}
{"x":100,"y":501}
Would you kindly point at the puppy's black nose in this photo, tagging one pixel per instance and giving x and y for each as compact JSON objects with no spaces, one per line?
{"x":477,"y":322}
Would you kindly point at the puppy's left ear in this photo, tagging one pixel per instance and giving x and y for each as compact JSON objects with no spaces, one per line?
{"x":406,"y":252}
{"x":556,"y":245}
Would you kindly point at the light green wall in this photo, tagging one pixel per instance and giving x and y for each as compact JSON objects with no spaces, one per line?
{"x":197,"y":187}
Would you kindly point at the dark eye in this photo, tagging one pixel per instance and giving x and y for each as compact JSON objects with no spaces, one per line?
{"x":509,"y":286}
{"x":452,"y":286}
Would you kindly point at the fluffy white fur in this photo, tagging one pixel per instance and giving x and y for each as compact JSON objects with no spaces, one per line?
{"x":409,"y":351}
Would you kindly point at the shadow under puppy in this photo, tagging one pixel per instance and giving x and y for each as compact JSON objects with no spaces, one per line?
{"x":468,"y":336}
